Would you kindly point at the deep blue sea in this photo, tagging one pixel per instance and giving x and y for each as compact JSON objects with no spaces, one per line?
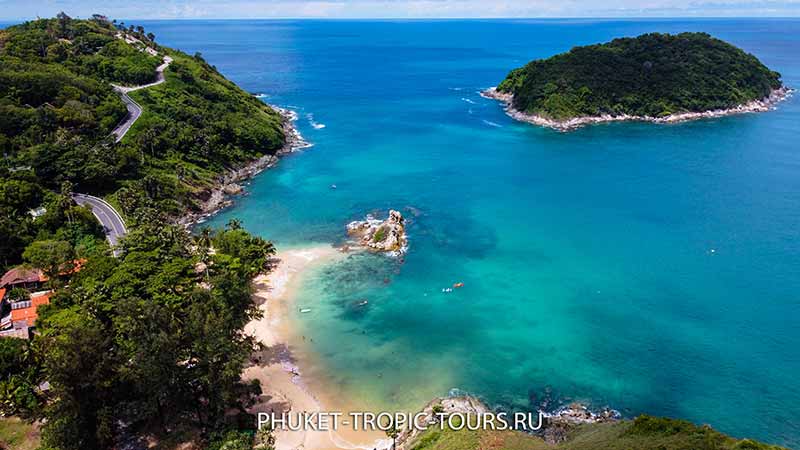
{"x":651,"y":268}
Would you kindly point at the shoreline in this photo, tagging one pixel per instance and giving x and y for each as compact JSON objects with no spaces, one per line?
{"x":766,"y":104}
{"x":279,"y":366}
{"x":229,"y":182}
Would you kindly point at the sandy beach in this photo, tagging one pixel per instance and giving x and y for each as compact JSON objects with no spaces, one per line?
{"x":278,"y":369}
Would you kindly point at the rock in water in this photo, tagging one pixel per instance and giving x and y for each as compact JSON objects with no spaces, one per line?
{"x":381,"y":235}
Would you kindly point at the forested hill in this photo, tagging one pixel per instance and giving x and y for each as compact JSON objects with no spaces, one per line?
{"x":145,"y":345}
{"x":58,"y":107}
{"x":651,"y":75}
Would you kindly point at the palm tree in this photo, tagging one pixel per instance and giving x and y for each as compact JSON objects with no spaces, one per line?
{"x":393,"y":433}
{"x":203,"y":241}
{"x":65,"y":199}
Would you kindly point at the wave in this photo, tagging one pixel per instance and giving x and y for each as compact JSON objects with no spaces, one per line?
{"x":316,"y":125}
{"x":455,"y":88}
{"x":471,"y":102}
{"x":260,"y":95}
{"x":492,"y":124}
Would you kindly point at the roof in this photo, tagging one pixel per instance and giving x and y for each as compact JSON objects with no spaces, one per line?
{"x":19,"y":275}
{"x":28,"y":313}
{"x":2,"y":293}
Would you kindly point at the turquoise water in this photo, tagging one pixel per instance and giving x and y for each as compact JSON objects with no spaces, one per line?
{"x":650,"y":268}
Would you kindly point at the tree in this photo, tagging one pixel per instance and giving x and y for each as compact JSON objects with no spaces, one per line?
{"x":53,"y":257}
{"x":392,"y":433}
{"x":266,"y":437}
{"x":79,"y":363}
{"x":203,"y":241}
{"x":234,"y":224}
{"x":63,"y":22}
{"x":233,"y":440}
{"x":20,"y":372}
{"x":251,"y":251}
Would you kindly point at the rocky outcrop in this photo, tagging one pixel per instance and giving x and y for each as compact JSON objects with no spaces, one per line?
{"x":229,"y":184}
{"x":765,"y":104}
{"x":562,"y":421}
{"x":435,"y":411}
{"x":381,"y":235}
{"x":556,"y":425}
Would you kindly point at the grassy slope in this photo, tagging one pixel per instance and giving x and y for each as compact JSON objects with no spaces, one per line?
{"x":16,"y":434}
{"x":643,"y":433}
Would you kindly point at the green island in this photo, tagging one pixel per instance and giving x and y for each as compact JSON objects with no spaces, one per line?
{"x":657,"y":77}
{"x":146,"y":347}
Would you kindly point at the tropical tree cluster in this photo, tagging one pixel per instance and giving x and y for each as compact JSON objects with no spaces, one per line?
{"x":147,"y":343}
{"x":650,"y":75}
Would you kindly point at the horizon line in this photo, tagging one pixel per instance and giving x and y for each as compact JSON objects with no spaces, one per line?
{"x":695,"y":17}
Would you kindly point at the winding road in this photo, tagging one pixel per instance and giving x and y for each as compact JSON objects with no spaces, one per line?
{"x":112,"y":222}
{"x":134,"y":109}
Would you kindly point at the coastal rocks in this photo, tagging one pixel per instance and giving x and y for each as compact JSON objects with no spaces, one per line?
{"x":294,"y":140}
{"x":431,"y":413}
{"x":232,"y":189}
{"x":560,"y":423}
{"x":763,"y":105}
{"x":381,"y":235}
{"x":556,"y":426}
{"x":218,"y":198}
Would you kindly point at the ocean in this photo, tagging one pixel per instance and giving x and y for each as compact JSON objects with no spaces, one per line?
{"x":649,"y":268}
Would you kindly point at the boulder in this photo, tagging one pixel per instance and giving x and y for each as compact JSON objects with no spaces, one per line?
{"x":376,"y":235}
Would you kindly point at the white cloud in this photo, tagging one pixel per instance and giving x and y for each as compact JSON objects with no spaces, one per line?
{"x":401,"y":9}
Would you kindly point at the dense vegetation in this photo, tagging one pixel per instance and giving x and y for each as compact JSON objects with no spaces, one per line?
{"x":642,"y":433}
{"x":57,"y":108}
{"x":149,"y":343}
{"x":650,"y":75}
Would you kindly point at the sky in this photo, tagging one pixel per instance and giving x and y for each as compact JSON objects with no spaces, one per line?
{"x":341,"y":9}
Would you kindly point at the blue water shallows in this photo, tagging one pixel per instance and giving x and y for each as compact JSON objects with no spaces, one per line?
{"x":652,"y":268}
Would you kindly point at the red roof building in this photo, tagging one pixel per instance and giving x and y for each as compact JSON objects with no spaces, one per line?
{"x":26,"y":312}
{"x":22,"y":277}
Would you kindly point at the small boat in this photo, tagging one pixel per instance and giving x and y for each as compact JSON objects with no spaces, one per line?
{"x":333,"y":186}
{"x":305,"y":310}
{"x":363,"y":302}
{"x":458,"y":285}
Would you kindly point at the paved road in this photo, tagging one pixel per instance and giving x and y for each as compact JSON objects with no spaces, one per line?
{"x":134,"y":110}
{"x":112,"y":222}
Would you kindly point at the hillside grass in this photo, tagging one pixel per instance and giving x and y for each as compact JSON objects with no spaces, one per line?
{"x":642,"y":433}
{"x":17,"y":434}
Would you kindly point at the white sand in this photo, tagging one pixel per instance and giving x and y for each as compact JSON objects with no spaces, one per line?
{"x":282,"y":387}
